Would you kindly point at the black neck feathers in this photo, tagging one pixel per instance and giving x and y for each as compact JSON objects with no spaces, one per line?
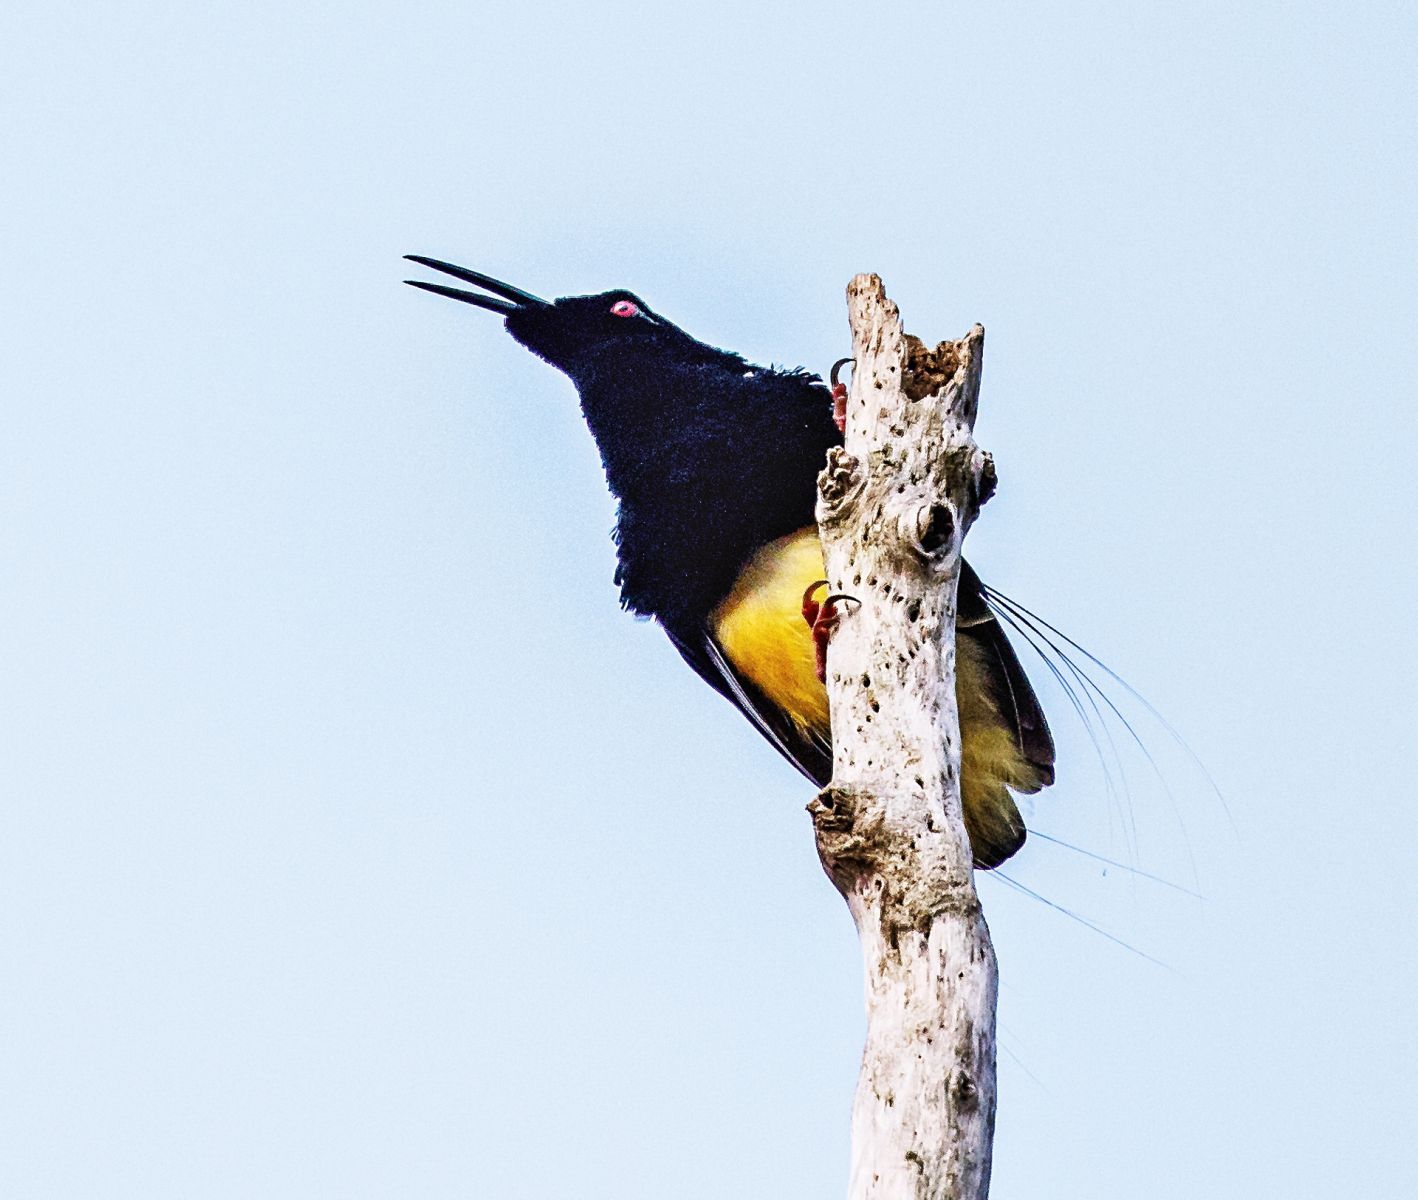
{"x":709,"y":456}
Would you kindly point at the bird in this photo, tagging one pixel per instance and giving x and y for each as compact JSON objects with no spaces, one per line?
{"x":713,"y":462}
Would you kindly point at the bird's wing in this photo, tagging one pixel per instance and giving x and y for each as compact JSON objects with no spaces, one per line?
{"x":806,"y":749}
{"x":1013,"y":694}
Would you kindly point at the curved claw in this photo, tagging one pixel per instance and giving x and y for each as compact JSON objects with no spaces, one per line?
{"x":823,"y":619}
{"x":839,"y":395}
{"x":811,"y":608}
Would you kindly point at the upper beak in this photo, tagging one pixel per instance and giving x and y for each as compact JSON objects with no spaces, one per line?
{"x":513,"y":298}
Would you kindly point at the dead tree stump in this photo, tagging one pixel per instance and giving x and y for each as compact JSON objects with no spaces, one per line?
{"x":893,"y":507}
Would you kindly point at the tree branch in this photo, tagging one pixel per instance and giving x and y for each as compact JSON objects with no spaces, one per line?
{"x":893,"y":506}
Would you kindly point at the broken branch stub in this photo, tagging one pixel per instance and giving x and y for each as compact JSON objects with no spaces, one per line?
{"x":894,"y":503}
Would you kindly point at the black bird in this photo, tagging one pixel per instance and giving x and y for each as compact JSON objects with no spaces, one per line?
{"x":714,"y":461}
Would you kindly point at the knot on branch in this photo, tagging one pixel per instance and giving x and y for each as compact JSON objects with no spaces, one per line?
{"x":839,"y":478}
{"x":932,"y":529}
{"x":964,"y":1091}
{"x":987,"y":480}
{"x":908,"y":873}
{"x":836,"y":813}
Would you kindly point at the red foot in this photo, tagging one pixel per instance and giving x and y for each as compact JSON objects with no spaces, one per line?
{"x":823,"y":618}
{"x":839,"y":395}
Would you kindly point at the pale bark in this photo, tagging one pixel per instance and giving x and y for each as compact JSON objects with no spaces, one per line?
{"x":893,"y":506}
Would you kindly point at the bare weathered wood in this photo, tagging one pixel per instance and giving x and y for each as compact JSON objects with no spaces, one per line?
{"x":893,"y":506}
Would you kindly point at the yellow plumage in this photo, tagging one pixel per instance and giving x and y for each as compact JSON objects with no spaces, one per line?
{"x":761,"y":630}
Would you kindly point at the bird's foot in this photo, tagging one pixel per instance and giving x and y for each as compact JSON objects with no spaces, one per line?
{"x":839,"y":395}
{"x":823,"y":618}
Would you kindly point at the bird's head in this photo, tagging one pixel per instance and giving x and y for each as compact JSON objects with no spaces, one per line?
{"x":568,"y":332}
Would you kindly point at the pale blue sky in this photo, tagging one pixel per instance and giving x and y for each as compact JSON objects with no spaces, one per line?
{"x":354,"y":844}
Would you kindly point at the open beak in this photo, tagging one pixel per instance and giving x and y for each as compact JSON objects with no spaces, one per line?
{"x":511,"y":298}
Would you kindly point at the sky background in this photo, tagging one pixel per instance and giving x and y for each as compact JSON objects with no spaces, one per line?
{"x":353,"y":842}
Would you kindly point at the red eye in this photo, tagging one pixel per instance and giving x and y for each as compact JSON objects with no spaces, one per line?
{"x":625,"y":308}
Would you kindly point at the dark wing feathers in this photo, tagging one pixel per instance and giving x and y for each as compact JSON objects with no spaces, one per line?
{"x":809,"y":752}
{"x":1014,"y":695}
